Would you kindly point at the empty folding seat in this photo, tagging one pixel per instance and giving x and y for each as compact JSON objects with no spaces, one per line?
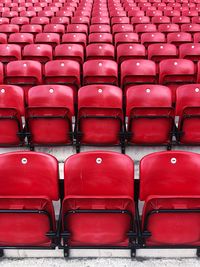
{"x":180,"y":20}
{"x":25,"y":73}
{"x":9,"y":14}
{"x":100,"y":115}
{"x":31,"y":28}
{"x":21,"y":39}
{"x":38,"y":52}
{"x":50,"y":110}
{"x":100,"y":20}
{"x":179,"y":38}
{"x":11,"y":112}
{"x":4,"y":21}
{"x":46,"y":13}
{"x":19,"y":20}
{"x":100,"y":38}
{"x":40,"y":20}
{"x":154,"y":13}
{"x":150,"y":115}
{"x":191,"y":28}
{"x":77,"y":28}
{"x":117,"y":28}
{"x":27,"y":213}
{"x":172,"y":13}
{"x":69,"y":51}
{"x":28,"y":14}
{"x":52,"y":39}
{"x":54,"y":28}
{"x":80,"y":20}
{"x":157,"y":20}
{"x":100,"y":71}
{"x":137,"y":71}
{"x":136,"y":13}
{"x":100,"y":200}
{"x":9,"y":52}
{"x":190,"y":13}
{"x":122,"y":38}
{"x":130,"y":51}
{"x":64,"y":13}
{"x":140,"y":20}
{"x":60,"y":20}
{"x":120,"y":20}
{"x":167,"y":28}
{"x":75,"y":38}
{"x":152,"y":38}
{"x":158,"y":52}
{"x":174,"y":72}
{"x":101,"y":28}
{"x":190,"y":51}
{"x":64,"y":72}
{"x":9,"y":28}
{"x":195,"y":20}
{"x":3,"y":38}
{"x":169,"y":187}
{"x":187,"y":108}
{"x":100,"y":51}
{"x":142,"y":28}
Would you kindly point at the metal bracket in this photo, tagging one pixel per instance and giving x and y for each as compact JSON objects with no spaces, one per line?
{"x":198,"y":252}
{"x":133,"y":253}
{"x":66,"y":252}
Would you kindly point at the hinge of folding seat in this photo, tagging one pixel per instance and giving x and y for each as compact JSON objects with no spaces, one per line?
{"x":131,"y":234}
{"x":146,"y":234}
{"x":65,"y":235}
{"x":198,"y":252}
{"x":51,"y":234}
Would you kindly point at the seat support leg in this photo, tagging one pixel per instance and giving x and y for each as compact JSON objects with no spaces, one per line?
{"x":1,"y":253}
{"x":66,"y":252}
{"x":133,"y":253}
{"x":198,"y":252}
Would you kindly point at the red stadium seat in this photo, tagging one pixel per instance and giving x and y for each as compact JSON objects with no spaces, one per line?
{"x":187,"y":108}
{"x":130,"y":51}
{"x":103,"y":28}
{"x":40,"y":20}
{"x":170,"y":214}
{"x":9,"y":52}
{"x":38,"y":52}
{"x":9,"y":28}
{"x":140,"y":20}
{"x":175,"y":72}
{"x":31,"y":28}
{"x":179,"y":38}
{"x":100,"y":115}
{"x":142,"y":28}
{"x":122,"y":38}
{"x":137,"y":71}
{"x":100,"y":38}
{"x":52,"y":39}
{"x":80,"y":20}
{"x":25,"y":73}
{"x":190,"y":51}
{"x":54,"y":28}
{"x":117,"y":28}
{"x":120,"y":20}
{"x":150,"y":115}
{"x":191,"y":28}
{"x":60,"y":20}
{"x":77,"y":28}
{"x":158,"y":52}
{"x":167,"y":28}
{"x":100,"y":20}
{"x":75,"y":38}
{"x":152,"y":38}
{"x":11,"y":112}
{"x":100,"y":51}
{"x":4,"y":21}
{"x":57,"y":102}
{"x":64,"y":72}
{"x":27,"y":213}
{"x":69,"y":51}
{"x":101,"y":200}
{"x":21,"y":39}
{"x":100,"y":71}
{"x":180,"y":20}
{"x":160,"y":20}
{"x":19,"y":20}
